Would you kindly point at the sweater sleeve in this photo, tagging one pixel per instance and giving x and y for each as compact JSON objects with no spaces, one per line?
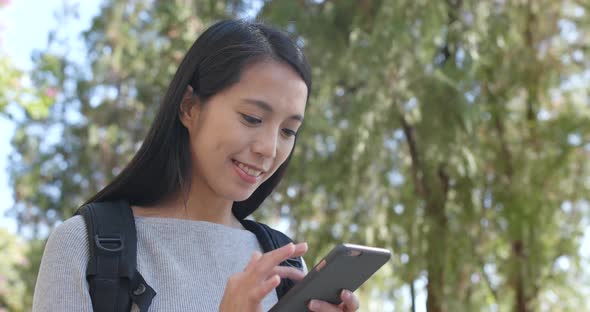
{"x":61,"y":283}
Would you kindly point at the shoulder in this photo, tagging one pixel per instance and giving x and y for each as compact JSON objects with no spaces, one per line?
{"x":62,"y":273}
{"x":261,"y":229}
{"x":284,"y":238}
{"x":68,"y":239}
{"x":71,"y":229}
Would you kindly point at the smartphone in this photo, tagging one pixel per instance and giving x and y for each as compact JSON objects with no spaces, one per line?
{"x":347,"y":266}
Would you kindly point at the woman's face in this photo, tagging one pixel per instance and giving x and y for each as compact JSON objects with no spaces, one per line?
{"x":241,"y":136}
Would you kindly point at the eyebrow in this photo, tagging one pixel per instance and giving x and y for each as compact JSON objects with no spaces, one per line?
{"x":265,"y":106}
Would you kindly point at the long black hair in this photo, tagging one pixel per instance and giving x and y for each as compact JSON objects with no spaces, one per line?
{"x":162,"y":166}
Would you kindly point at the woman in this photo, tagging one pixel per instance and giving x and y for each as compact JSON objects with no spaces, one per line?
{"x":219,"y":145}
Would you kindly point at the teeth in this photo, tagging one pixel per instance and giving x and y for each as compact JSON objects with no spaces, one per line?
{"x":248,"y":170}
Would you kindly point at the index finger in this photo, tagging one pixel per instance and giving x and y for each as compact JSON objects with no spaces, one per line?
{"x":273,"y":258}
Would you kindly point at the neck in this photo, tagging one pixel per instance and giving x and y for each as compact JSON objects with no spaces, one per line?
{"x":197,"y":204}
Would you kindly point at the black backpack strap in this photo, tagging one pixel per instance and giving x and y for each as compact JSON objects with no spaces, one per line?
{"x":271,"y":239}
{"x":112,"y":276}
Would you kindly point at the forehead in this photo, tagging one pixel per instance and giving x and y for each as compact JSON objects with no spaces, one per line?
{"x":275,"y":83}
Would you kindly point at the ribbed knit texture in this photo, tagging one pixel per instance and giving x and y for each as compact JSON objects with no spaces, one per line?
{"x":187,"y":263}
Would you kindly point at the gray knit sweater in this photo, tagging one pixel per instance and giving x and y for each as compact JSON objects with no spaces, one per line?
{"x":187,"y":262}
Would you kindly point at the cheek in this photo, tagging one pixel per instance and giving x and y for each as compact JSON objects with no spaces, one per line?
{"x":233,"y":139}
{"x":219,"y":138}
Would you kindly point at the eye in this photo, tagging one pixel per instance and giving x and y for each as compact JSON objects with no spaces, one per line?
{"x":289,"y":132}
{"x":251,"y":120}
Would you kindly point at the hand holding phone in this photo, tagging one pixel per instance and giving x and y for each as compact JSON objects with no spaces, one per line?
{"x":347,"y":266}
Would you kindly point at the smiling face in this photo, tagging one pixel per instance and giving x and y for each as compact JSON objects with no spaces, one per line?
{"x":242,"y":134}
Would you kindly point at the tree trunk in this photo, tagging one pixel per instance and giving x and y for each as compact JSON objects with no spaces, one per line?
{"x":432,"y":186}
{"x":436,"y":259}
{"x":521,"y":301}
{"x":413,"y":295}
{"x":520,"y":305}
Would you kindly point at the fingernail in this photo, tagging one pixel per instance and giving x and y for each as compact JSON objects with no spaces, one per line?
{"x":346,"y":294}
{"x":313,"y":305}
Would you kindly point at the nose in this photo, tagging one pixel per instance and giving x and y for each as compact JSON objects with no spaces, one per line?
{"x":265,"y":144}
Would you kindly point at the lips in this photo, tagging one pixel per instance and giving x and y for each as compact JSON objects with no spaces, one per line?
{"x":249,"y":170}
{"x":248,"y":173}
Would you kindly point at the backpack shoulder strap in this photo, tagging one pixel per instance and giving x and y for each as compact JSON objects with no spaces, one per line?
{"x":112,"y":276}
{"x":271,"y":239}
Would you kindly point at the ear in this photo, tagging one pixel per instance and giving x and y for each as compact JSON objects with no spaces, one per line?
{"x":189,"y":108}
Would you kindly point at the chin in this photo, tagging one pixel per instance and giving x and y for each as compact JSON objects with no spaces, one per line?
{"x":243,"y":197}
{"x":239,"y":195}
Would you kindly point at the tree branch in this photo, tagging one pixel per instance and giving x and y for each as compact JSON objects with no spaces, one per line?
{"x":417,"y":172}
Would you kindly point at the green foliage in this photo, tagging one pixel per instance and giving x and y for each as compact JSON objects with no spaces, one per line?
{"x":35,"y":101}
{"x":453,"y":97}
{"x":12,"y":287}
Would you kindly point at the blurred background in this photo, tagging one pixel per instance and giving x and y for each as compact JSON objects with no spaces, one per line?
{"x":455,"y":133}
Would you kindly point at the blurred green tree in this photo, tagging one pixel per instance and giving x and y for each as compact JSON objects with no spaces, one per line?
{"x":12,"y":287}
